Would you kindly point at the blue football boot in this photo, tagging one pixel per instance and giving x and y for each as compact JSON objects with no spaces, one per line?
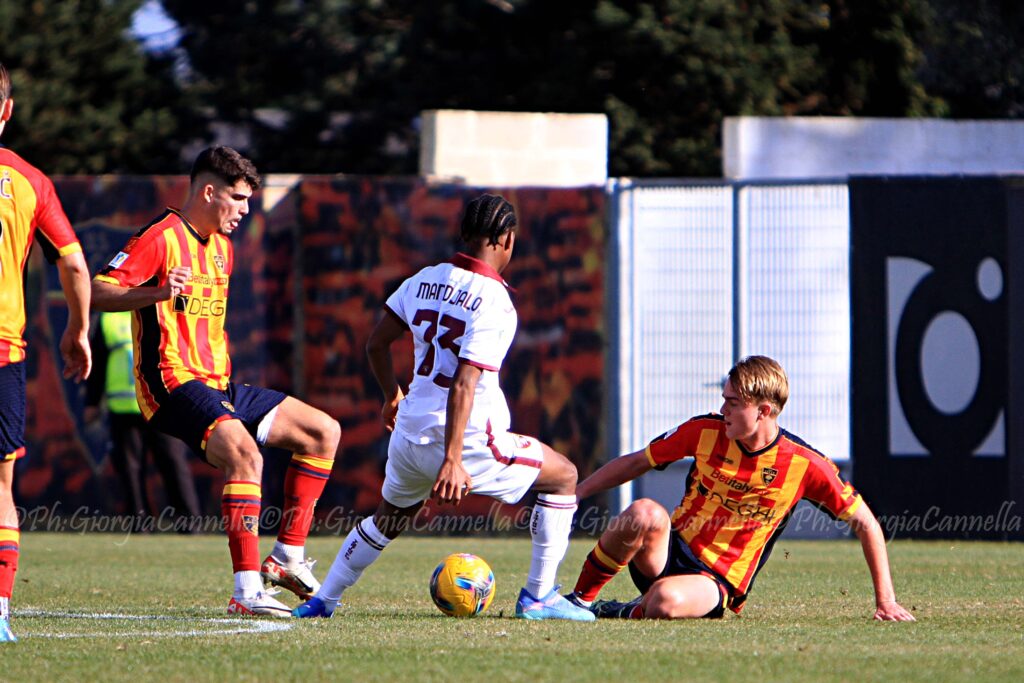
{"x":312,"y":609}
{"x":551,"y":606}
{"x":5,"y":632}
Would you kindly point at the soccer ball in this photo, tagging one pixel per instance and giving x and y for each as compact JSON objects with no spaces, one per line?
{"x":462,"y":585}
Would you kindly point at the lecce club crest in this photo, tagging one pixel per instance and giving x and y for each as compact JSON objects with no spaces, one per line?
{"x":251,"y":524}
{"x":219,"y":261}
{"x":769,"y":474}
{"x":228,"y":406}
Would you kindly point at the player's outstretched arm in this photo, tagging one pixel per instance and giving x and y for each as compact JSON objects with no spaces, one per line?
{"x":872,"y":541}
{"x":613,"y":473}
{"x":74,"y":343}
{"x":107,"y":296}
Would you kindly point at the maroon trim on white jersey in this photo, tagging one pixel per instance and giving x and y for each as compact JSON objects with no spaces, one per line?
{"x":542,"y":502}
{"x":506,"y":460}
{"x":474,"y":265}
{"x":479,"y":365}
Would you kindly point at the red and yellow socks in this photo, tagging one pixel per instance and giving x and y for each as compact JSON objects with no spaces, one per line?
{"x":598,"y":569}
{"x":307,"y":475}
{"x":240,"y":506}
{"x":10,"y":539}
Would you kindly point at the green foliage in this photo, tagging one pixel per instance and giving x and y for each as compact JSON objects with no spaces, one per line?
{"x":665,"y":72}
{"x":871,"y":56}
{"x":87,"y":98}
{"x":808,"y":619}
{"x":673,"y":70}
{"x":975,"y":61}
{"x":289,"y":76}
{"x":325,"y":86}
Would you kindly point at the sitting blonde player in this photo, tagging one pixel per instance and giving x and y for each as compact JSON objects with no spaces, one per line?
{"x":747,"y":476}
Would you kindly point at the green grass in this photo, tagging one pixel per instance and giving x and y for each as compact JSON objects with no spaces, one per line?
{"x":808,"y":619}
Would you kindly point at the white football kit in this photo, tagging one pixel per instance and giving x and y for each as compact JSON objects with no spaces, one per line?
{"x":457,"y":310}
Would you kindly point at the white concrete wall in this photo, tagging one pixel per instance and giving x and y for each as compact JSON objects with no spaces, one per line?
{"x":506,"y":149}
{"x":836,"y":147}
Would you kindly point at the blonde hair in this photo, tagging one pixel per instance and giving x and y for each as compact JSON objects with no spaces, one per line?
{"x":760,"y":379}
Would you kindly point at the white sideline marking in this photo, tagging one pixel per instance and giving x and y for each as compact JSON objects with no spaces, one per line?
{"x":239,"y":625}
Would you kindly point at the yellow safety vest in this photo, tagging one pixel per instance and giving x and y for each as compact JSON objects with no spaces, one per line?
{"x":120,"y":386}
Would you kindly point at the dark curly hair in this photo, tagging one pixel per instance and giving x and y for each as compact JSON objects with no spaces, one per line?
{"x":487,"y":216}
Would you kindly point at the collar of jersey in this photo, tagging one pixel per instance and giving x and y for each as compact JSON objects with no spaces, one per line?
{"x":475,"y":265}
{"x":188,"y":226}
{"x":760,"y":451}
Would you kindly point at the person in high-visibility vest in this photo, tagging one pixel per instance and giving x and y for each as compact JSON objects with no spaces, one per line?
{"x":131,"y":437}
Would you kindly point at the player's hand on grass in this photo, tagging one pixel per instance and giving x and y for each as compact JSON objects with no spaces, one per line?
{"x":177,"y":278}
{"x":891,"y":610}
{"x":453,"y":482}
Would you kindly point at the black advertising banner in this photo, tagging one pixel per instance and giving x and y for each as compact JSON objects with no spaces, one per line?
{"x":934,"y":275}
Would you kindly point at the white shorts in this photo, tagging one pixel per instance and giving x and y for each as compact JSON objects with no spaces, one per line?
{"x":503,"y":468}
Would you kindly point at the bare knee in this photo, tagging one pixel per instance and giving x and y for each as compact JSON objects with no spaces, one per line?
{"x":682,"y":597}
{"x":239,"y":458}
{"x":646,"y":516}
{"x":666,"y":603}
{"x":247,"y":463}
{"x":558,"y":475}
{"x":326,"y":432}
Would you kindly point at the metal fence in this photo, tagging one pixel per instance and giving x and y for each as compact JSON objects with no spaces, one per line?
{"x":705,"y":273}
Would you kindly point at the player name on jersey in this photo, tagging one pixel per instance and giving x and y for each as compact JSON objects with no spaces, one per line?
{"x":440,"y":291}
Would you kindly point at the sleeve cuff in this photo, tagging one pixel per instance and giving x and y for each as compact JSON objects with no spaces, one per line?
{"x":72,"y":248}
{"x":851,"y":510}
{"x":478,"y":364}
{"x":650,"y":456}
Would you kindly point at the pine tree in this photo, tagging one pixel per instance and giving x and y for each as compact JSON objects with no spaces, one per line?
{"x":87,"y":98}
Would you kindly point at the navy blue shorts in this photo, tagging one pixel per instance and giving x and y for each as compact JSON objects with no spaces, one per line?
{"x":12,"y":411}
{"x":682,"y":562}
{"x":192,"y":410}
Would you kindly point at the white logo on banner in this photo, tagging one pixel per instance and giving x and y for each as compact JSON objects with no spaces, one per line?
{"x":949,"y":357}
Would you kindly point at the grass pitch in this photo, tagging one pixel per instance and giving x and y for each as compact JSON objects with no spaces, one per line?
{"x":109,"y":608}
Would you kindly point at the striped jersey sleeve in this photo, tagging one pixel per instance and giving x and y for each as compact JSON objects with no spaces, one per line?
{"x":139,"y":261}
{"x":686,"y":440}
{"x":29,"y":212}
{"x":825,"y":487}
{"x":55,"y":234}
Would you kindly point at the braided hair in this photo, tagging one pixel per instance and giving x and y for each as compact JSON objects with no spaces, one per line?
{"x":487,"y":216}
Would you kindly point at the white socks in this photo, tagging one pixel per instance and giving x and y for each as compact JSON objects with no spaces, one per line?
{"x":5,"y":608}
{"x":247,"y":584}
{"x":290,"y":555}
{"x":362,"y":546}
{"x":549,"y":526}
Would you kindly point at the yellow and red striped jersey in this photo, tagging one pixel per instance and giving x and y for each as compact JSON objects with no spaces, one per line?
{"x":736,"y":502}
{"x":183,"y":338}
{"x":28,"y":203}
